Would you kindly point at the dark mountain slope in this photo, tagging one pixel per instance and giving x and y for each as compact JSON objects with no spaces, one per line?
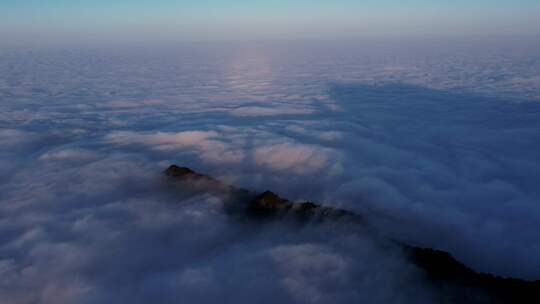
{"x":455,"y":282}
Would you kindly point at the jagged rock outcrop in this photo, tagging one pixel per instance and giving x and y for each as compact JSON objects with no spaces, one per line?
{"x":456,"y":282}
{"x":266,"y":205}
{"x":270,"y":205}
{"x":197,"y":181}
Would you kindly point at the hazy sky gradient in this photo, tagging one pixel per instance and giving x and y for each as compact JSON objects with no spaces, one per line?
{"x":243,"y":19}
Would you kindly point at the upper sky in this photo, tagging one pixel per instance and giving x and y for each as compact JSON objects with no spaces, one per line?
{"x":270,"y":19}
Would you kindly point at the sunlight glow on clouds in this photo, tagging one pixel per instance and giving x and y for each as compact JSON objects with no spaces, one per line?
{"x":292,"y":157}
{"x":206,"y":143}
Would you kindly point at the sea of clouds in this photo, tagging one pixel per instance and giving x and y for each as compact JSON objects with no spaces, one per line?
{"x":436,"y":144}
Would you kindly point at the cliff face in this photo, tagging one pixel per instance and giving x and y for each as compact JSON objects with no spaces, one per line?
{"x":455,"y":282}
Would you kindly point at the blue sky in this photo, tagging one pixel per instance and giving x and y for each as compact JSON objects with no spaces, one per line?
{"x":239,"y":19}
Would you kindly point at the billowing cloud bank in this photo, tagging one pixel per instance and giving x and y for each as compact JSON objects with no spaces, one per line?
{"x":445,"y":159}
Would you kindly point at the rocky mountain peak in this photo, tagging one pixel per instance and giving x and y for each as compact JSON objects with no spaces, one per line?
{"x":176,"y":171}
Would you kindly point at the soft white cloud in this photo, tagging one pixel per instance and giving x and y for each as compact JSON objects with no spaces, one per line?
{"x":270,"y":111}
{"x":67,"y":155}
{"x":294,"y":157}
{"x":13,"y":138}
{"x":307,"y":267}
{"x":206,"y":143}
{"x":329,"y":136}
{"x":228,"y":146}
{"x":129,"y":104}
{"x":162,"y":140}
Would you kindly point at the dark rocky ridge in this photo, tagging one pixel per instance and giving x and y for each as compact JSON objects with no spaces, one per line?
{"x":456,"y":282}
{"x":270,"y":205}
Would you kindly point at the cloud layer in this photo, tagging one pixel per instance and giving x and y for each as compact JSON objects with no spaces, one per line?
{"x":445,"y":159}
